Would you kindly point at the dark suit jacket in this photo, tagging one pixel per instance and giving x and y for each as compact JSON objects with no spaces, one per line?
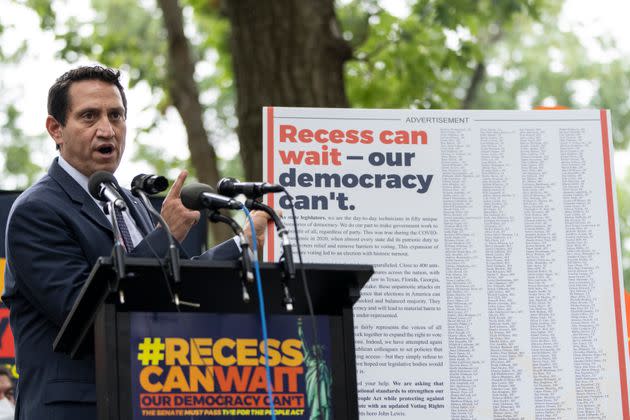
{"x":55,"y":233}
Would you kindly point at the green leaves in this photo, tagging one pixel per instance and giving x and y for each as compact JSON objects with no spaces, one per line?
{"x":18,"y":150}
{"x":427,"y":59}
{"x":45,"y":11}
{"x":122,"y":34}
{"x":489,"y":54}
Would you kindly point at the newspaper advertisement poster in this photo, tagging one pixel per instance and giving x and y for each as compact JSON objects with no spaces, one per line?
{"x":497,"y":290}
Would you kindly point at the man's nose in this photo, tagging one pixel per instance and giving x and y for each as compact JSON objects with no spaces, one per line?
{"x":104,"y":128}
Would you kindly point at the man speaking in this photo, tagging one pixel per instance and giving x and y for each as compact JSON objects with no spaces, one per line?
{"x":56,"y":231}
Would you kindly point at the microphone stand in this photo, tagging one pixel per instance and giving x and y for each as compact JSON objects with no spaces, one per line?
{"x":247,"y":274}
{"x":118,"y":251}
{"x":172,"y":259}
{"x":288,"y":275}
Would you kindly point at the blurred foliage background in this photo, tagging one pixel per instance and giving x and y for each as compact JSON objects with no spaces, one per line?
{"x":216,"y":63}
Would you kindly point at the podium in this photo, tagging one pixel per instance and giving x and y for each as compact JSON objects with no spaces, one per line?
{"x":104,"y":316}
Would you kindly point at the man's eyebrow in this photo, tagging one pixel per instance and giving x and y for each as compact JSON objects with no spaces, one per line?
{"x":86,"y":109}
{"x":97,"y":109}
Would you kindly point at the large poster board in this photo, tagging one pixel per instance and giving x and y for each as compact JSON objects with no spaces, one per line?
{"x":498,"y":289}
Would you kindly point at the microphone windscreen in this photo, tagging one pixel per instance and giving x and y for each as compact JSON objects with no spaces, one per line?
{"x":158,"y":184}
{"x":225,"y":186}
{"x":191,"y":195}
{"x":98,"y":178}
{"x":150,"y":184}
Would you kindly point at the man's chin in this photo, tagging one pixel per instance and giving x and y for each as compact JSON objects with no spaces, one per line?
{"x":108,"y":167}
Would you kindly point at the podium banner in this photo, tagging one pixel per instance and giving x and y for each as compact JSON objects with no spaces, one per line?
{"x":187,"y":365}
{"x":498,"y":287}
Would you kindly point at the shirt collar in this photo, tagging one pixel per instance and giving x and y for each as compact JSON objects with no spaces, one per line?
{"x":81,"y":179}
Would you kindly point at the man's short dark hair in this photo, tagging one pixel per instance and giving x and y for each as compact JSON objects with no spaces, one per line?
{"x":4,"y":371}
{"x":58,"y":100}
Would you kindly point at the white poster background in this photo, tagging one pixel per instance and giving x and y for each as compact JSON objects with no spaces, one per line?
{"x":497,"y":290}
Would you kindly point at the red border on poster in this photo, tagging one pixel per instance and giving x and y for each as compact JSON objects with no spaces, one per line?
{"x":270,"y":179}
{"x":614,"y":260}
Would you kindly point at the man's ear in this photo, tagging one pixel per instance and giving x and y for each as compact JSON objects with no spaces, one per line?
{"x":55,"y":130}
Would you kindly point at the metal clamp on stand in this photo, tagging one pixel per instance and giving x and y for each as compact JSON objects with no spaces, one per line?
{"x":201,"y":196}
{"x":247,"y":274}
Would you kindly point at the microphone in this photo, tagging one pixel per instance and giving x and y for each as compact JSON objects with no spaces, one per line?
{"x":198,"y":196}
{"x":103,"y":186}
{"x":232,"y":187}
{"x":142,"y":185}
{"x":150,"y":184}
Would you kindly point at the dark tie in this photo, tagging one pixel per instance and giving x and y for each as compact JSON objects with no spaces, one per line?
{"x":124,"y":231}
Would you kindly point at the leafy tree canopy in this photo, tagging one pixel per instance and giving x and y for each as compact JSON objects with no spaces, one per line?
{"x":485,"y":54}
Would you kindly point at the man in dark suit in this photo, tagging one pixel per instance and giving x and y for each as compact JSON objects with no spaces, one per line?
{"x":56,"y":231}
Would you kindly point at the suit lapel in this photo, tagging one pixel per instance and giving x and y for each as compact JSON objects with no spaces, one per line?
{"x":78,"y":196}
{"x":89,"y":208}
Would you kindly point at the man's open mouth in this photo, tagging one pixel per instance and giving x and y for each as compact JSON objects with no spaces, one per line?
{"x":106,"y":150}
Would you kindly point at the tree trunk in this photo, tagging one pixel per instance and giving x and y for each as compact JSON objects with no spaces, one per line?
{"x":183,"y":91}
{"x":479,"y":75}
{"x":476,"y":81}
{"x":284,"y":53}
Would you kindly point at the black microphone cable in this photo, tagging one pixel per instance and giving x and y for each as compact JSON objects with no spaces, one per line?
{"x":309,"y":303}
{"x":154,"y":185}
{"x":198,"y":196}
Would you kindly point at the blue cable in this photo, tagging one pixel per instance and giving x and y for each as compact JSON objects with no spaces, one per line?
{"x":261,"y":305}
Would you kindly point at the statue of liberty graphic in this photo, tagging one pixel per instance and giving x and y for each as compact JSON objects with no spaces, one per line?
{"x":318,"y":379}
